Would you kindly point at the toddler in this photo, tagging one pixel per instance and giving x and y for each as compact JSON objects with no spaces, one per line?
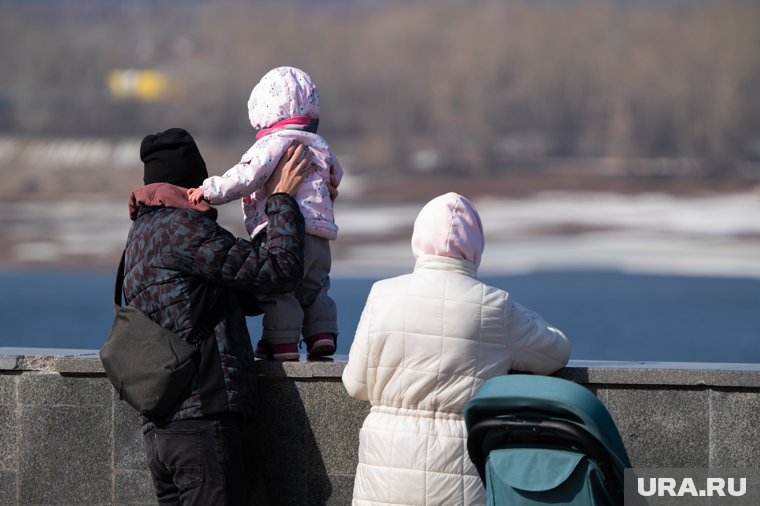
{"x":284,"y":107}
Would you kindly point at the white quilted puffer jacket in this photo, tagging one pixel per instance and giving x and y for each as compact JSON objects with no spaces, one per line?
{"x":425,"y":342}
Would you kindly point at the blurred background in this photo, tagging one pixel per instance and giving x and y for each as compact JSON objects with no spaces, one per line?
{"x":612,"y":148}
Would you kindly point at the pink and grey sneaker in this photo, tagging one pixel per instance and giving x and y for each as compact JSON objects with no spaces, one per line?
{"x":285,"y":352}
{"x":321,"y":345}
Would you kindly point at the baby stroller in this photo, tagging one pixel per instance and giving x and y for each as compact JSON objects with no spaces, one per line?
{"x":544,"y":440}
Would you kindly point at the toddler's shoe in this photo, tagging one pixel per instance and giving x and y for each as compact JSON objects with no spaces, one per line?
{"x":281,"y":352}
{"x":321,"y":345}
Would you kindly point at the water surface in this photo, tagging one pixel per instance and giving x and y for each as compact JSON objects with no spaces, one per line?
{"x":608,"y":315}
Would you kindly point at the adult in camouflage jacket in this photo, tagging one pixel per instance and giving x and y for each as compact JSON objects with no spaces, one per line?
{"x":194,"y":453}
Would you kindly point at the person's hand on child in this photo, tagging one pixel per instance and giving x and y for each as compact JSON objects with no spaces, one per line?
{"x":195,"y":195}
{"x":333,"y":186}
{"x":294,"y":166}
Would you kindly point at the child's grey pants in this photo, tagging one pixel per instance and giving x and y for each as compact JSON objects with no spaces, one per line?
{"x":308,"y":310}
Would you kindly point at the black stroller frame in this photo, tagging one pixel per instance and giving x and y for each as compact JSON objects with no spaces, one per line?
{"x":526,"y":429}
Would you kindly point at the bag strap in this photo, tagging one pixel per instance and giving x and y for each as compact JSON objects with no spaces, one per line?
{"x":119,"y":286}
{"x":204,"y":304}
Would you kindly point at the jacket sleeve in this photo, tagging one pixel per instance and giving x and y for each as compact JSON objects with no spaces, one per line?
{"x":356,"y":371}
{"x":535,"y":346}
{"x":250,"y":174}
{"x":203,"y":248}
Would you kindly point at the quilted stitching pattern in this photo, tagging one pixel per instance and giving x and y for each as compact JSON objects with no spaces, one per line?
{"x":425,"y":342}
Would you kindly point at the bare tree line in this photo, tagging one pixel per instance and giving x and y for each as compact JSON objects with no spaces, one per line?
{"x":476,"y":83}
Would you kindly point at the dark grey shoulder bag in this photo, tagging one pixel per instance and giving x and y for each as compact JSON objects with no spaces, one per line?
{"x":149,"y":366}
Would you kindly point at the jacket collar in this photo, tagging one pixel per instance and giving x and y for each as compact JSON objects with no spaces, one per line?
{"x":165,"y":195}
{"x":434,"y":262}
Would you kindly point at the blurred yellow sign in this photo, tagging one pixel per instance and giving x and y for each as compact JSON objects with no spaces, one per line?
{"x":146,"y":85}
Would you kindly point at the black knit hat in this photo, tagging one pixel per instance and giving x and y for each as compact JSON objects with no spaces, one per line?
{"x":172,"y":157}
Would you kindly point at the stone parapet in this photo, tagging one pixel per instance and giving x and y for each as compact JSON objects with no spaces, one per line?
{"x":65,"y":438}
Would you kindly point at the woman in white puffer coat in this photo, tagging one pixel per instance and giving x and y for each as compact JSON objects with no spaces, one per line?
{"x":424,"y":344}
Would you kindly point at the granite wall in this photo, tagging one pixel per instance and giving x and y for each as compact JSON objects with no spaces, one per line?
{"x":65,"y":438}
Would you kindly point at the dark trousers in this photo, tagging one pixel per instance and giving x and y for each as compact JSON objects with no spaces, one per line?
{"x":198,"y":461}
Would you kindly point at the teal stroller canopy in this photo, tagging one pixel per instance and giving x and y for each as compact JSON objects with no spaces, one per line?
{"x":544,"y":440}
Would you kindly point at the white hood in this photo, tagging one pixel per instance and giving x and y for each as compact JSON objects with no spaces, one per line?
{"x":283,"y":93}
{"x":449,"y":226}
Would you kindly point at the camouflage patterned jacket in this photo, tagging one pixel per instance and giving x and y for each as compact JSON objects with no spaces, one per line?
{"x":172,"y":247}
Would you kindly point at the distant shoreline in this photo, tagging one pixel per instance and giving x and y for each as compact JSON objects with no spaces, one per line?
{"x":702,"y":234}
